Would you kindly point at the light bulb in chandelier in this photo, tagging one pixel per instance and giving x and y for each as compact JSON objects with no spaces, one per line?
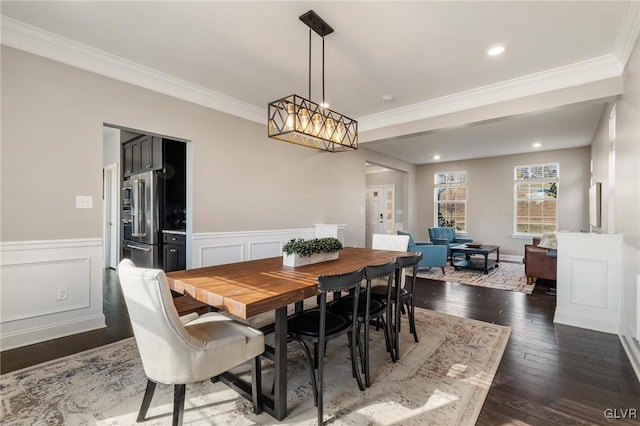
{"x":330,"y":129}
{"x":339,"y":134}
{"x":317,"y":124}
{"x":303,"y":123}
{"x":289,"y":124}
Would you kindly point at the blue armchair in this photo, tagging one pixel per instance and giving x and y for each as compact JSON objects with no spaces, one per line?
{"x":446,"y":237}
{"x":432,"y":255}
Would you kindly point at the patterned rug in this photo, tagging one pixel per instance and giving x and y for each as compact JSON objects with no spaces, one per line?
{"x":443,"y":380}
{"x":508,"y":276}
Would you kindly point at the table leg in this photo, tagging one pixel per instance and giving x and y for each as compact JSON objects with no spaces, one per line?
{"x":486,"y":263}
{"x":280,"y":365}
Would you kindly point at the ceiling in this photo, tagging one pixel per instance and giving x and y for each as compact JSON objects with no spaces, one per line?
{"x":430,"y":56}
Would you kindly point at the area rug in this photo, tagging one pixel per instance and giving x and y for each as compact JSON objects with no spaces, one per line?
{"x":442,"y":380}
{"x":507,"y":276}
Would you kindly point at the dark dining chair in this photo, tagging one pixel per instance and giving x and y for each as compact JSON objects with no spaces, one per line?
{"x":319,"y":325}
{"x":369,"y":311}
{"x":401,"y":299}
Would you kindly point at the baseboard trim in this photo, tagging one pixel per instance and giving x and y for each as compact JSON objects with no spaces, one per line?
{"x":511,"y":258}
{"x":585,"y":322}
{"x":51,"y":331}
{"x":632,"y":349}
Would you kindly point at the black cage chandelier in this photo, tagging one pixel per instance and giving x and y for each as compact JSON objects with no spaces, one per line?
{"x":301,"y":121}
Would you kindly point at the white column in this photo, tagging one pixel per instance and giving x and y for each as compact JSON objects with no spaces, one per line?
{"x":589,"y":281}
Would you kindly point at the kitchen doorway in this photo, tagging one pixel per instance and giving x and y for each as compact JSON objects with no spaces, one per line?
{"x":161,"y":166}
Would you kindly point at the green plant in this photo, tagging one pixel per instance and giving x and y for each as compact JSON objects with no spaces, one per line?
{"x":308,"y":247}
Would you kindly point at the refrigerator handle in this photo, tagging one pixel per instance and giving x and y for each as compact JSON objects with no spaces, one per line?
{"x":131,"y":246}
{"x":138,"y":208}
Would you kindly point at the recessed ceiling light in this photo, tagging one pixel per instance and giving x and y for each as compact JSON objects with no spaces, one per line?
{"x":537,"y":145}
{"x":495,"y":50}
{"x":436,"y":157}
{"x":387,"y":98}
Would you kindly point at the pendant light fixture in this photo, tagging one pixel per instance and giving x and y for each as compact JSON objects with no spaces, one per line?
{"x":301,"y":121}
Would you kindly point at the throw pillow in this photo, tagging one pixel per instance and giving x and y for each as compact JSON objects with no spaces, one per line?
{"x":548,"y":240}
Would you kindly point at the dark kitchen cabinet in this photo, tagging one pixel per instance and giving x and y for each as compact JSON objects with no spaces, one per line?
{"x":142,"y":154}
{"x":150,"y":153}
{"x":127,"y":155}
{"x":174,"y":252}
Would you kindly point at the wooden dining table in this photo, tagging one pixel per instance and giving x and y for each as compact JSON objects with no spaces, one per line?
{"x":247,"y":289}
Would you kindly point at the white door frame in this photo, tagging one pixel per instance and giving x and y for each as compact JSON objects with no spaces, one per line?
{"x":111,"y":217}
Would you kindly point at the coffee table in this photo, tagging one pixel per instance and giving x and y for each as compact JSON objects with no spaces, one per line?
{"x":468,"y":262}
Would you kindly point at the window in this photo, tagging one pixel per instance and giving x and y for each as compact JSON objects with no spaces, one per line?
{"x":450,"y":200}
{"x":536,"y":198}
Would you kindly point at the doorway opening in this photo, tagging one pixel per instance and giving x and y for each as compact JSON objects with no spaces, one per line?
{"x":160,"y":167}
{"x":386,"y":196}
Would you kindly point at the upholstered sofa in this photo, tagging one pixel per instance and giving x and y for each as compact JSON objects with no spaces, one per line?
{"x":432,"y":255}
{"x":445,"y":236}
{"x":539,"y":262}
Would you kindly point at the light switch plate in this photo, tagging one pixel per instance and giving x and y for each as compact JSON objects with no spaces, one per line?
{"x":84,"y":202}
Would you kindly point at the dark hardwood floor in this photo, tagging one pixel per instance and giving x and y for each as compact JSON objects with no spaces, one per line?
{"x":549,"y":375}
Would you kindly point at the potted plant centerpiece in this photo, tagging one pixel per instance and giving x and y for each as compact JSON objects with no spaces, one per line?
{"x":300,"y":252}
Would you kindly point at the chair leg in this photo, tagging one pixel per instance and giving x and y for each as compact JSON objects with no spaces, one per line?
{"x":314,"y":385}
{"x":442,"y":269}
{"x":178,"y":404}
{"x":361,"y":349}
{"x":256,"y":384}
{"x":387,"y":339}
{"x":354,"y":362}
{"x":316,"y":354}
{"x":367,"y":375}
{"x":146,"y":401}
{"x":397,"y":329}
{"x":412,"y":319}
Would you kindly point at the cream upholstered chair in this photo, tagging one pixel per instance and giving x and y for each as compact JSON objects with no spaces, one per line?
{"x":179,"y":350}
{"x":389,"y":242}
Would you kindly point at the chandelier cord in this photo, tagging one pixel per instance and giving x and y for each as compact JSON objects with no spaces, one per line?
{"x":309,"y":63}
{"x":323,"y":101}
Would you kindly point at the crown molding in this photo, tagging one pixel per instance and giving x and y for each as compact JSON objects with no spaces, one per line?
{"x":588,"y":71}
{"x":34,"y":40}
{"x":628,"y":32}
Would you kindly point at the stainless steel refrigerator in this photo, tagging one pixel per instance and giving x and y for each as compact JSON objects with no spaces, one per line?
{"x":141,"y":242}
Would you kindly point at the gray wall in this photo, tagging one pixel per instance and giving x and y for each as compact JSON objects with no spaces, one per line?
{"x":52,"y":141}
{"x":490,"y":195}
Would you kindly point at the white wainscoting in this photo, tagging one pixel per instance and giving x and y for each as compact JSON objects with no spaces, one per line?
{"x":217,"y":248}
{"x":589,"y":281}
{"x":32,"y":274}
{"x":630,"y":318}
